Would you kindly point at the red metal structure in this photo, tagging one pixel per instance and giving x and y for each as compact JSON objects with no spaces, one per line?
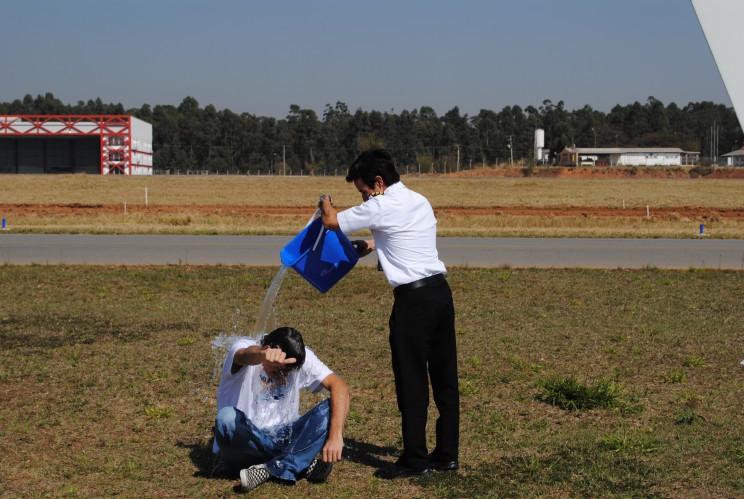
{"x":125,"y":141}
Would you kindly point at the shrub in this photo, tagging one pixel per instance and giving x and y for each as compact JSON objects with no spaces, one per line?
{"x":688,"y":417}
{"x":573,"y":395}
{"x":700,"y":171}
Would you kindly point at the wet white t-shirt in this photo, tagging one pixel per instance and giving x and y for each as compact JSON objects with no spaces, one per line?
{"x":268,"y":401}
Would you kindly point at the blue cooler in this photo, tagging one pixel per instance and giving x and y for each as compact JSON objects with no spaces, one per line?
{"x":321,"y":256}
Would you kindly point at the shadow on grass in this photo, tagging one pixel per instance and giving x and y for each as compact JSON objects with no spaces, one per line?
{"x":207,"y":463}
{"x":581,"y":471}
{"x":367,"y":454}
{"x":603,"y":473}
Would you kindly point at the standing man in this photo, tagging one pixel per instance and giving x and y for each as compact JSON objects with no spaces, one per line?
{"x":258,"y":429}
{"x":422,"y":322}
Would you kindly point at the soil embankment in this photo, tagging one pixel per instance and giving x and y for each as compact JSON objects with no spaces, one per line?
{"x":606,"y":172}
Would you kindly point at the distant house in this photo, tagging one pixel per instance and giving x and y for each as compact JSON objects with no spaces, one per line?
{"x":735,"y":158}
{"x":627,"y":156}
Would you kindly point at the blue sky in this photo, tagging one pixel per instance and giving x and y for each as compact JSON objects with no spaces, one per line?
{"x":261,"y":56}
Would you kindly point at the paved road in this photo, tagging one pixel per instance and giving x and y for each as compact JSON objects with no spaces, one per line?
{"x":454,"y":251}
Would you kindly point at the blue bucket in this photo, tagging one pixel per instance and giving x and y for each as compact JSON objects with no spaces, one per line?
{"x":319,"y":255}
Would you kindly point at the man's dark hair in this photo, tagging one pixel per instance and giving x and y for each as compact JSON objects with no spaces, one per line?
{"x":290,"y":341}
{"x":373,"y":163}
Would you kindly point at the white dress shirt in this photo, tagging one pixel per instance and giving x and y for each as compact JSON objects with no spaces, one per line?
{"x":404,"y":227}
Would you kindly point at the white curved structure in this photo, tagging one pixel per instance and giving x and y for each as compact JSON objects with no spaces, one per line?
{"x":721,"y":21}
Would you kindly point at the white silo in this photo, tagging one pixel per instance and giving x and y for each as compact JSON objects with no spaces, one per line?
{"x":539,"y":144}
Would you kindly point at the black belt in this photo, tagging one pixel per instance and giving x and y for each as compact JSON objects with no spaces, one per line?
{"x":426,"y":281}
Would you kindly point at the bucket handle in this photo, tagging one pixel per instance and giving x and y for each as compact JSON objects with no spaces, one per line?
{"x":312,"y":219}
{"x":320,"y":232}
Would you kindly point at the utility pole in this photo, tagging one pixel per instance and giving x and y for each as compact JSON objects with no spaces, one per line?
{"x":284,"y":159}
{"x":511,"y":151}
{"x":458,"y":157}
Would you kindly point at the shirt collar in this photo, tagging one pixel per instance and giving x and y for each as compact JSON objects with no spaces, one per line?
{"x":394,"y":187}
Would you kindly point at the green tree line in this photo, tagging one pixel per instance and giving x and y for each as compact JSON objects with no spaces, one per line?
{"x":191,"y":137}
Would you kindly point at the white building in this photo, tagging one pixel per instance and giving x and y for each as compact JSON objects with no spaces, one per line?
{"x":735,"y":158}
{"x":101,"y":144}
{"x":627,"y":156}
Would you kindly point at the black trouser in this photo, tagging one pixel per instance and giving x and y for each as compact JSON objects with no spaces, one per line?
{"x":422,"y":341}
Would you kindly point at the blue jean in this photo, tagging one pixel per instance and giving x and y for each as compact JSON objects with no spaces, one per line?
{"x":242,"y":444}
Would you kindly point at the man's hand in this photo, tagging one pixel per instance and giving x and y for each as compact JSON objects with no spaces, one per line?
{"x":332,"y":450}
{"x":328,"y":212}
{"x":324,"y":197}
{"x":334,"y":445}
{"x":362,"y":247}
{"x":275,"y":358}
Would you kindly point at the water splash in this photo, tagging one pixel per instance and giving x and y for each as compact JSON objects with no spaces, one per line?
{"x":269,"y":407}
{"x":281,"y":401}
{"x":265,"y":323}
{"x":266,"y":320}
{"x":221,"y":345}
{"x":277,"y":404}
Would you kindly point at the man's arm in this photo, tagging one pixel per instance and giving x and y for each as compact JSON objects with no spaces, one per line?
{"x":339,"y":410}
{"x":328,"y":213}
{"x":254,"y":355}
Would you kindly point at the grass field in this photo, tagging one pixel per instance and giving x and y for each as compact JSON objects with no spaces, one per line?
{"x":590,"y":383}
{"x":106,"y":380}
{"x":481,"y":207}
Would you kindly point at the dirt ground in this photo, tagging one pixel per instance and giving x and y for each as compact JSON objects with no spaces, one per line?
{"x":247,"y":211}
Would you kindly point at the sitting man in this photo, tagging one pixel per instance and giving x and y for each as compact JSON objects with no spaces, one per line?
{"x":258,"y":429}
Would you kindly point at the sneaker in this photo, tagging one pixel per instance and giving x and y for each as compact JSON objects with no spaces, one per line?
{"x":318,"y":471}
{"x":252,"y":477}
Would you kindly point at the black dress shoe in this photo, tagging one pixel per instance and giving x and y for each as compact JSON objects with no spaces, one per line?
{"x":444,"y":465}
{"x":396,"y":471}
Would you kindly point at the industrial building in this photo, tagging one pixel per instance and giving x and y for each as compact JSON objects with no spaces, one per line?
{"x":102,"y":144}
{"x":627,"y":156}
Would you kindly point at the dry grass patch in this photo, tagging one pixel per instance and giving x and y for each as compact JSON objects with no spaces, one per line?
{"x":304,"y":191}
